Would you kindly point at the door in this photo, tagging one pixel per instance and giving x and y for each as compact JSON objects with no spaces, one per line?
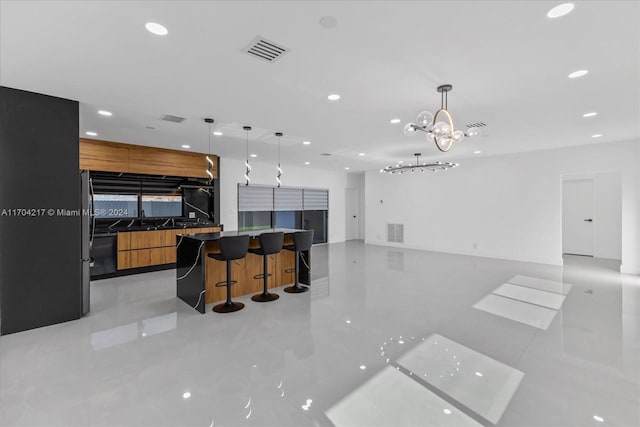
{"x":352,"y":215}
{"x":577,"y":217}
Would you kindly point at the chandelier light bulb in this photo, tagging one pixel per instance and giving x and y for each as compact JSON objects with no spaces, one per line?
{"x":410,"y":129}
{"x":425,"y":119}
{"x":441,"y":128}
{"x":458,"y":136}
{"x":474,"y":131}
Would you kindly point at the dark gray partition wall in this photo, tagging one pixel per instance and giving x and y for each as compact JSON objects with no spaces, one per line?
{"x":40,"y":269}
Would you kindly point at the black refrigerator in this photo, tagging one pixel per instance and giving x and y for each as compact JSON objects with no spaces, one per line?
{"x":41,"y":221}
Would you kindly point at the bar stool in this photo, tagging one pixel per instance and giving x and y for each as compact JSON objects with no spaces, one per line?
{"x":302,"y":241}
{"x":231,"y":247}
{"x":270,"y":243}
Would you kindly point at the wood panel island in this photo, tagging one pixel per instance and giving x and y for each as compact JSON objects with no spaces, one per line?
{"x":197,"y":274}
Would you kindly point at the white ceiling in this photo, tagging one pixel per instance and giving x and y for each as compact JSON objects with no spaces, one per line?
{"x":507,"y":61}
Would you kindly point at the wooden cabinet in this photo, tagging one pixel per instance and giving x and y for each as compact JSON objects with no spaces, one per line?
{"x":107,"y":156}
{"x":154,"y":247}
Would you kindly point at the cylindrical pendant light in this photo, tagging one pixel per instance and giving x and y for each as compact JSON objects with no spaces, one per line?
{"x":246,"y":163}
{"x":279,"y":169}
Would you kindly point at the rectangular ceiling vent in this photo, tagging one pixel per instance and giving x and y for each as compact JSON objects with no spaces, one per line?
{"x":476,"y":125}
{"x":264,"y":49}
{"x":173,"y":119}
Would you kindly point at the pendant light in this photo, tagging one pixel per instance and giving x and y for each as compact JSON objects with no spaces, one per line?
{"x":246,"y":163}
{"x":210,"y":163}
{"x":279,"y":169}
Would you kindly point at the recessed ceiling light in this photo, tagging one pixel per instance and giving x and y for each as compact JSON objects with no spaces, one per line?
{"x":333,"y":97}
{"x":307,"y":163}
{"x":186,"y":395}
{"x":598,"y":418}
{"x":306,"y":142}
{"x":560,"y":10}
{"x":578,"y":73}
{"x":217,"y":133}
{"x":157,"y":29}
{"x":254,"y":155}
{"x":363,"y":367}
{"x":597,"y":135}
{"x":479,"y":374}
{"x":105,"y":113}
{"x":360,"y":154}
{"x":394,"y":121}
{"x":477,"y":152}
{"x":447,"y":411}
{"x":400,"y":162}
{"x":593,"y":113}
{"x":186,"y":146}
{"x":347,"y":168}
{"x":328,"y":22}
{"x":91,"y":133}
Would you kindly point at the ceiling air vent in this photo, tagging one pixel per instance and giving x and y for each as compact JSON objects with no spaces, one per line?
{"x":264,"y":49}
{"x":476,"y":125}
{"x":173,"y":119}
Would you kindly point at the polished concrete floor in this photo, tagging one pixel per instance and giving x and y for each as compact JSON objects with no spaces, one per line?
{"x":386,"y":336}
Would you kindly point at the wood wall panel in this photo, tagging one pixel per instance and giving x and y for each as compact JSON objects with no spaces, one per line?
{"x":103,"y":156}
{"x":111,"y":156}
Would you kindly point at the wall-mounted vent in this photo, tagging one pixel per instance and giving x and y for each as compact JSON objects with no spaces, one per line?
{"x":264,"y":49}
{"x":395,"y":233}
{"x":173,"y":119}
{"x":476,"y":125}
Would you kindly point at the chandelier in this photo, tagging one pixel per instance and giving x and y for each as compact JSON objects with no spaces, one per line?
{"x":443,"y":133}
{"x":435,"y":167}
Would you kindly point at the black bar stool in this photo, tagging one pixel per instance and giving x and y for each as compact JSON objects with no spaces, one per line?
{"x":231,"y":247}
{"x":270,"y":243}
{"x":302,"y":241}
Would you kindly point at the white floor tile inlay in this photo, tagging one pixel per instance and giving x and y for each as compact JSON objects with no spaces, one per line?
{"x":530,"y":295}
{"x":391,"y":398}
{"x":529,"y":314}
{"x":541,"y":284}
{"x":479,"y":382}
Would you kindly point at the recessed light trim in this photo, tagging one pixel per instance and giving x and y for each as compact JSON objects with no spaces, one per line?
{"x":477,"y":152}
{"x":578,"y":73}
{"x":253,"y":155}
{"x":597,"y":135}
{"x":361,"y":154}
{"x":105,"y":113}
{"x":560,"y":10}
{"x":347,"y":168}
{"x":394,"y":121}
{"x":306,"y":142}
{"x":186,"y":146}
{"x":598,"y":418}
{"x":591,"y":114}
{"x":91,"y":133}
{"x":186,"y":395}
{"x":307,"y":163}
{"x":218,"y":133}
{"x":157,"y":29}
{"x":333,"y":97}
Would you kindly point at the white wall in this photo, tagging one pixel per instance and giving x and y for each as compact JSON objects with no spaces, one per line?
{"x":509,"y":206}
{"x":232,"y":173}
{"x":356,"y":180}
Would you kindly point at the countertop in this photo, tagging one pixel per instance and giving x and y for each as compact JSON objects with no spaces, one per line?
{"x":105,"y":231}
{"x":208,"y":237}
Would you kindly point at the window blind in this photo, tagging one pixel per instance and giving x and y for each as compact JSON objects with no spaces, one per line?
{"x":254,"y":198}
{"x":287,"y":199}
{"x":316,"y":200}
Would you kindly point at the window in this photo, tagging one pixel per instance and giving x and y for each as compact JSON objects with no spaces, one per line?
{"x":115,"y":205}
{"x":158,"y":206}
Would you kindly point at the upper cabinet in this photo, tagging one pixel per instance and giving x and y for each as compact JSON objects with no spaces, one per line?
{"x":109,"y":156}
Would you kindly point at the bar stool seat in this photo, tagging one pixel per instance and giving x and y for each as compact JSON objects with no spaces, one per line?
{"x":270,"y":243}
{"x":231,"y":248}
{"x":302,"y":241}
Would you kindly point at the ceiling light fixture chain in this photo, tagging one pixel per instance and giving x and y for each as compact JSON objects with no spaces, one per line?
{"x":443,"y":133}
{"x":210,"y":163}
{"x":434,"y":167}
{"x":246,"y":163}
{"x":279,"y":169}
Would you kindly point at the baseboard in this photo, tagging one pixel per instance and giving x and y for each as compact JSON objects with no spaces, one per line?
{"x":556,"y":261}
{"x":630,"y":269}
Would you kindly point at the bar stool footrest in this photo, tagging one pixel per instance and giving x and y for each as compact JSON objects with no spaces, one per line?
{"x":223,"y":284}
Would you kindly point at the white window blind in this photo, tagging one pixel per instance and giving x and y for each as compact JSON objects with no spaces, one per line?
{"x":316,"y":200}
{"x":287,"y":199}
{"x":254,"y":198}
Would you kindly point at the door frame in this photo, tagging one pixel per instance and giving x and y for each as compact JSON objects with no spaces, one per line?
{"x":573,"y":178}
{"x":348,"y":220}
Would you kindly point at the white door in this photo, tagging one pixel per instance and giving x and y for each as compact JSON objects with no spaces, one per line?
{"x":352,"y":216}
{"x":577,"y":217}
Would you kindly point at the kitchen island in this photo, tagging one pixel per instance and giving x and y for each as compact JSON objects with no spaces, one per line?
{"x":197,"y":274}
